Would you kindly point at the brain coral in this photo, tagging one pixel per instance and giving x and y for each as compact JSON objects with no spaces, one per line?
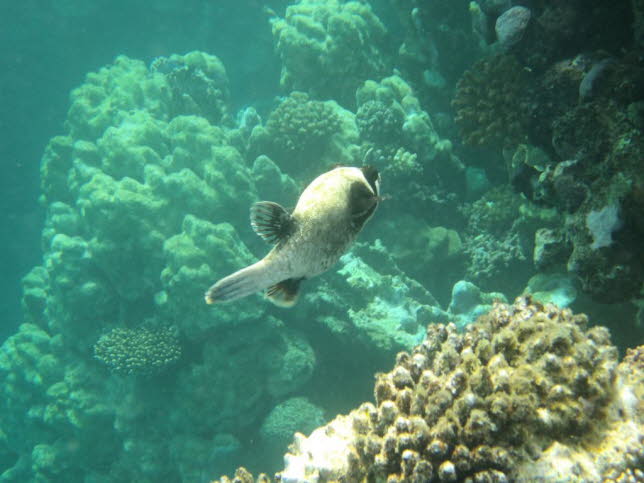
{"x":490,"y":102}
{"x":330,"y":47}
{"x":479,"y":405}
{"x":141,"y":350}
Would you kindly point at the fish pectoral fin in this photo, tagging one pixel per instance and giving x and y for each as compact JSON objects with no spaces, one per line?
{"x":271,"y":221}
{"x":284,"y":293}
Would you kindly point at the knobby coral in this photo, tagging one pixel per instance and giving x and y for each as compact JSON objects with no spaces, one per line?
{"x":485,"y":405}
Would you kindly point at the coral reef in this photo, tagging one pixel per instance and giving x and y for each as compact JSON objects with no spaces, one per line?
{"x":399,"y":138}
{"x":526,"y":391}
{"x":394,"y":100}
{"x":301,"y":134}
{"x":430,"y":29}
{"x":198,"y":84}
{"x":600,"y":145}
{"x":379,"y":123}
{"x":490,"y":257}
{"x":51,"y":407}
{"x":491,"y":104}
{"x":422,"y":251}
{"x":139,"y":199}
{"x":140,"y":351}
{"x":328,"y":48}
{"x":146,"y":194}
{"x":299,"y":124}
{"x":499,"y":239}
{"x":286,"y":418}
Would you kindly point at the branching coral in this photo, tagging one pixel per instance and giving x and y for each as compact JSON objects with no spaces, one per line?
{"x":141,"y":351}
{"x":490,"y":102}
{"x":484,"y":405}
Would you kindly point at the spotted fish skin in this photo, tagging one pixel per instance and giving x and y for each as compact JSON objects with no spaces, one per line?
{"x":328,"y":217}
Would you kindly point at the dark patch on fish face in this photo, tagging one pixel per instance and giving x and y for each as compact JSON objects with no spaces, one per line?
{"x":373,"y":178}
{"x":362,"y":203}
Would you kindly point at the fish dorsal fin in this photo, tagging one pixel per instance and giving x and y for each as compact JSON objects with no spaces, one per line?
{"x":271,"y":221}
{"x":284,"y":293}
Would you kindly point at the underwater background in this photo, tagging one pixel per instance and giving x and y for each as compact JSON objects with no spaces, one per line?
{"x":508,"y":134}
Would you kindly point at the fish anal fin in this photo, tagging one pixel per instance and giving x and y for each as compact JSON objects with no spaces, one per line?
{"x":284,"y":293}
{"x":271,"y":221}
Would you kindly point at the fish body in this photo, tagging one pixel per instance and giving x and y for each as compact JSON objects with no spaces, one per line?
{"x":328,"y":217}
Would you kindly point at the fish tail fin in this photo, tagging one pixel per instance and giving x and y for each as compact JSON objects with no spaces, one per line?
{"x":239,"y":284}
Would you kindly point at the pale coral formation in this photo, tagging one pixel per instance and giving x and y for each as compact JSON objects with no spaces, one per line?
{"x":328,"y":48}
{"x":141,"y":193}
{"x":526,"y":386}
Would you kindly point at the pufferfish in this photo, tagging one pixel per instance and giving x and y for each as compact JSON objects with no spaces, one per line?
{"x":329,"y":214}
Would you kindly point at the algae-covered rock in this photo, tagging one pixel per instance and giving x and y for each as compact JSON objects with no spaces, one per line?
{"x":432,"y":255}
{"x":469,"y":303}
{"x":294,"y":415}
{"x":387,"y":309}
{"x":552,"y":288}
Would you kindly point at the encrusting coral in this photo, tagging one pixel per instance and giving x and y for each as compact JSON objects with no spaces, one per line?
{"x":141,"y":351}
{"x":485,"y":405}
